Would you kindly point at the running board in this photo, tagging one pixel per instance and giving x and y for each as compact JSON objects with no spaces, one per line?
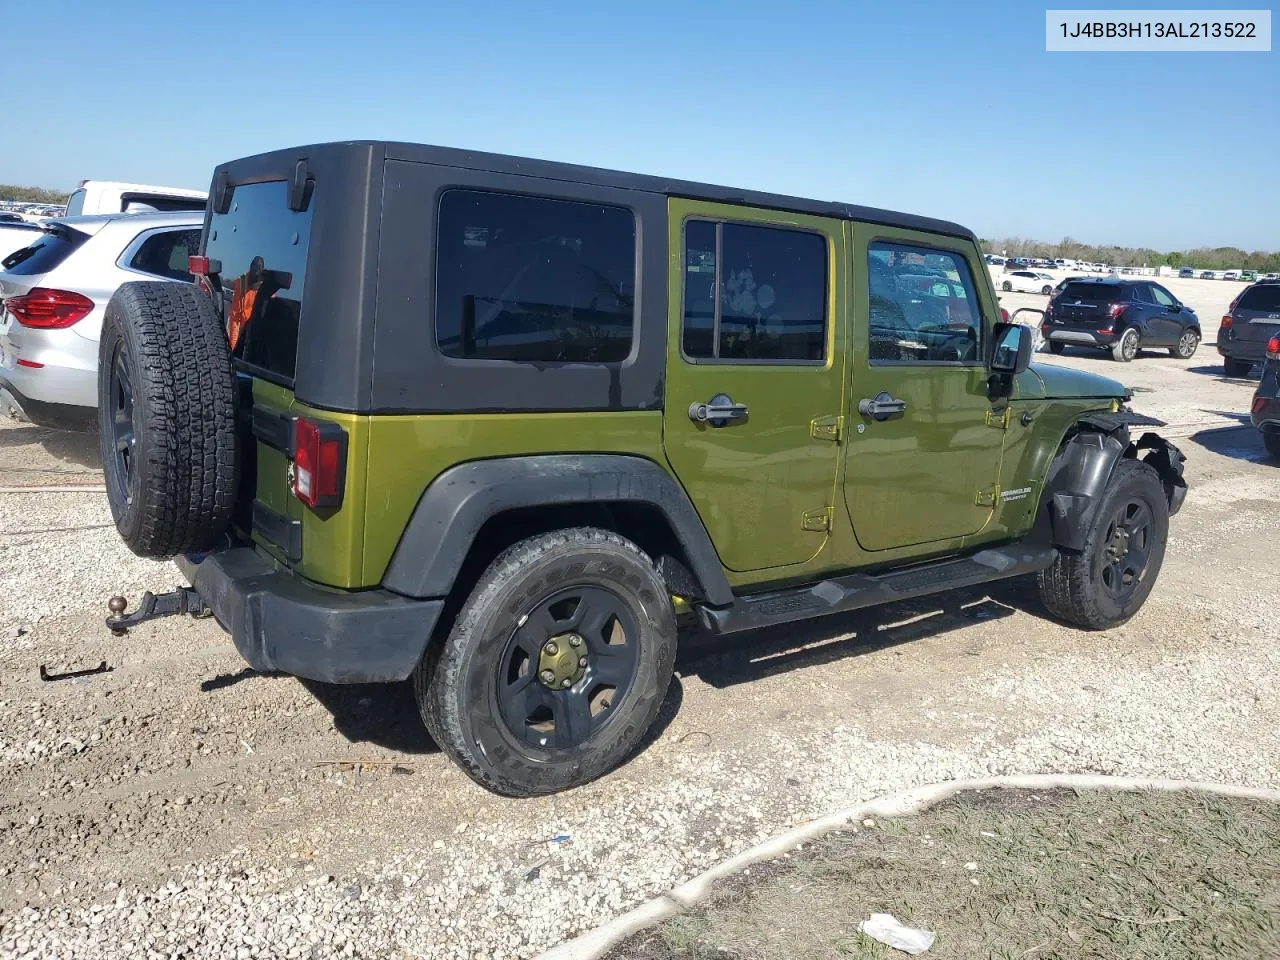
{"x":860,"y":590}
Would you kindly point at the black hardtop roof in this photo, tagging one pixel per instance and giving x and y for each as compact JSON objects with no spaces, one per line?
{"x":522,"y":166}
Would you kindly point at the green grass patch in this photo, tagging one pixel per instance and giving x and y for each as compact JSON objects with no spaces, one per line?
{"x":1013,"y":875}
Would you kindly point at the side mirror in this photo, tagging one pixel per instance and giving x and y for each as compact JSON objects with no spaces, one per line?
{"x":1010,"y":349}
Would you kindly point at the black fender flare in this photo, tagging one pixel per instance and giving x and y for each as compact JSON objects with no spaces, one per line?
{"x":1084,"y":465}
{"x":463,"y":498}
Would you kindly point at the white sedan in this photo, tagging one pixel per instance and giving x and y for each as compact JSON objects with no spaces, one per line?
{"x":1027,"y":281}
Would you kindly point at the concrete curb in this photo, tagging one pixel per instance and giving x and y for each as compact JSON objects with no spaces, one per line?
{"x":594,"y":943}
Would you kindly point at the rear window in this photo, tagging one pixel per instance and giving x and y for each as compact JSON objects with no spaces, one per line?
{"x":1265,"y":297}
{"x":158,"y":202}
{"x":534,"y":279}
{"x":262,"y":246}
{"x":164,"y":254}
{"x":1093,"y":292}
{"x":47,"y":251}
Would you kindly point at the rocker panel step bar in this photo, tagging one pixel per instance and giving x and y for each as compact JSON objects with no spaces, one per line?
{"x":860,"y":590}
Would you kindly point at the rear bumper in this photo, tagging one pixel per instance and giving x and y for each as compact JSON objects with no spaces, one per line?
{"x":282,"y":623}
{"x":60,"y":416}
{"x":1255,"y":350}
{"x":1091,"y":338}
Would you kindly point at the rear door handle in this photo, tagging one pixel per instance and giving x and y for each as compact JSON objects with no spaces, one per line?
{"x":882,"y":407}
{"x":719,"y":411}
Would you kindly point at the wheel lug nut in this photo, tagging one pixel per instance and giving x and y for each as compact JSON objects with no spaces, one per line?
{"x":582,"y":661}
{"x":551,"y":648}
{"x":547,"y":676}
{"x":566,"y":682}
{"x":575,"y":641}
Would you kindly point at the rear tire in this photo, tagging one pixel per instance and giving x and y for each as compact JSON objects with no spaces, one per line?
{"x":1057,"y":348}
{"x":1007,"y":286}
{"x":1046,"y":290}
{"x":1100,"y":587}
{"x":1187,"y":345}
{"x":482,"y":694}
{"x":1271,"y":440}
{"x":1126,"y":348}
{"x":1236,"y":368}
{"x":166,"y":418}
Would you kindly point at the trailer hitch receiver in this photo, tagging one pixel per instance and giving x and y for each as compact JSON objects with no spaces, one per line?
{"x":184,"y":600}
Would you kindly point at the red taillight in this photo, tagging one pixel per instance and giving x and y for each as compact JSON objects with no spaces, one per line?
{"x":198,"y":266}
{"x":48,"y":309}
{"x":29,"y":363}
{"x":1105,"y":330}
{"x":1004,"y":315}
{"x":1116,"y":310}
{"x":319,"y":462}
{"x":1226,"y":323}
{"x":1273,"y":348}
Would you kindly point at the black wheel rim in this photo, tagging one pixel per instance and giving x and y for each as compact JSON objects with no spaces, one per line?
{"x":545,"y":711}
{"x":124,"y":434}
{"x":1127,"y":551}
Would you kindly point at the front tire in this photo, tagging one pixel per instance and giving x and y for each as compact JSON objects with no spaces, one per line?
{"x":1007,"y":286}
{"x":555,"y":667}
{"x":1187,"y":345}
{"x":1046,"y":290}
{"x":1126,"y":348}
{"x":1108,"y":581}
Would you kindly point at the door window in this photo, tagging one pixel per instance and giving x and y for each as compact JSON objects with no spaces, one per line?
{"x":923,"y":306}
{"x":754,"y":293}
{"x":1163,"y":296}
{"x":1142,"y":293}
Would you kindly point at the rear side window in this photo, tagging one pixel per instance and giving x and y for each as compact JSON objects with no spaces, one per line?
{"x":262,"y":247}
{"x":1092,"y":292}
{"x":1265,"y":297}
{"x":75,"y":205}
{"x":165,"y":254}
{"x":754,"y":293}
{"x":534,"y":279}
{"x":47,"y":250}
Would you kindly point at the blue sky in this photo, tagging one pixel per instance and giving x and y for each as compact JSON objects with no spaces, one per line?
{"x":946,"y":109}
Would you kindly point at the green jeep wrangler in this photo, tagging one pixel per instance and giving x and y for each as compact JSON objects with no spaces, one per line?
{"x":493,"y":423}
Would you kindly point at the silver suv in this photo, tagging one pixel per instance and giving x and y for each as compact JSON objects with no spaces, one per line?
{"x":52,"y":297}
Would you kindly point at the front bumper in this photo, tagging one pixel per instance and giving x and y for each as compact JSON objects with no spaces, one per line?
{"x":282,"y":623}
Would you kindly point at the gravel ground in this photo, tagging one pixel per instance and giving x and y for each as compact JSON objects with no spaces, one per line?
{"x":183,"y":806}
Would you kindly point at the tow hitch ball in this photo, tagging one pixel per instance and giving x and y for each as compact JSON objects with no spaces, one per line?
{"x":180,"y":601}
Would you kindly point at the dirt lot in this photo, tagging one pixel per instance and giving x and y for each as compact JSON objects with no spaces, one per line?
{"x":181,"y":805}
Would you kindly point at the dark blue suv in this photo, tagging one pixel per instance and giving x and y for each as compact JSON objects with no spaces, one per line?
{"x":1121,"y":316}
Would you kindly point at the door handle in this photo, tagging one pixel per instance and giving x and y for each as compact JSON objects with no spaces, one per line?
{"x":719,"y":411}
{"x":882,"y":407}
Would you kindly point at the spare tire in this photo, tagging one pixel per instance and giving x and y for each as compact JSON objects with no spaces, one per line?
{"x":166,"y":418}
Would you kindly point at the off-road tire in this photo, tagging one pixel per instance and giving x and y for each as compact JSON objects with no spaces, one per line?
{"x":1127,"y":347}
{"x":1071,"y":589}
{"x":1271,"y":440}
{"x":455,"y":684}
{"x":1236,"y":368}
{"x":177,"y":496}
{"x":1057,"y":348}
{"x":1187,"y":345}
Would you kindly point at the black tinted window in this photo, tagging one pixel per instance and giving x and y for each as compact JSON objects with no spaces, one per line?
{"x":165,"y":254}
{"x":262,"y":246}
{"x":1141,"y":292}
{"x":764,"y":289}
{"x":1092,"y":292}
{"x":922,"y":305}
{"x":1265,"y":296}
{"x":534,"y":279}
{"x":46,"y":251}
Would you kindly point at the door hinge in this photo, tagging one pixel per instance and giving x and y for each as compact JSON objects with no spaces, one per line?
{"x":827,"y":428}
{"x":999,"y":418}
{"x":988,"y":497}
{"x":817,"y":520}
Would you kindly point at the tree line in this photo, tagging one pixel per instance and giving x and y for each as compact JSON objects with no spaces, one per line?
{"x":1201,"y":258}
{"x":32,"y":194}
